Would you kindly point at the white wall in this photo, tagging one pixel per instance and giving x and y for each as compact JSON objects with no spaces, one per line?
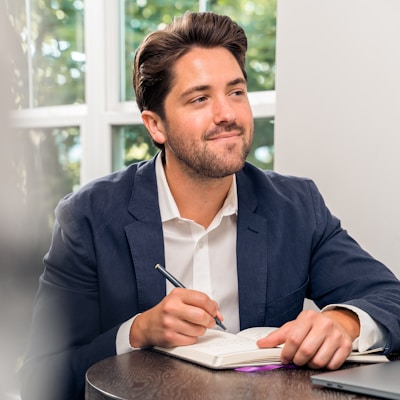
{"x":338,"y":111}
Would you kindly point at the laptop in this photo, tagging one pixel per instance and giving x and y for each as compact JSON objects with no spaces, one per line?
{"x":381,"y":380}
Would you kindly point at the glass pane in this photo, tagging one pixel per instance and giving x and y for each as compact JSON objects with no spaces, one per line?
{"x":257,"y":17}
{"x":47,"y":168}
{"x":141,"y":18}
{"x":19,"y":82}
{"x":133,"y":143}
{"x":262,"y":149}
{"x":43,"y":166}
{"x":49,"y":163}
{"x":52,"y":38}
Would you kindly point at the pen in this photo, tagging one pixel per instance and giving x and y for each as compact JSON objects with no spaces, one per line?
{"x":176,"y":283}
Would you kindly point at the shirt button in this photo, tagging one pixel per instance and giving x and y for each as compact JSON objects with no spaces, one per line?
{"x":201,"y":244}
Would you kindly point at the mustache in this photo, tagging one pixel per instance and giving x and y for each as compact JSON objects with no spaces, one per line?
{"x":223,"y":128}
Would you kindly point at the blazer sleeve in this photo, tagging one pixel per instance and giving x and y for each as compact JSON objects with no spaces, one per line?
{"x":67,"y":334}
{"x":97,"y":275}
{"x":342,"y":272}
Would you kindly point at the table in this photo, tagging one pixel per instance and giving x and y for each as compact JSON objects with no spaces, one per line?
{"x":145,"y":374}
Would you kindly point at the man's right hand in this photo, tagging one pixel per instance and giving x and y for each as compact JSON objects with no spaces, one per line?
{"x":178,"y":320}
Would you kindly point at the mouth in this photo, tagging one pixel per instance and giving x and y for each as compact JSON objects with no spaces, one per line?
{"x":225,"y":136}
{"x":225,"y":133}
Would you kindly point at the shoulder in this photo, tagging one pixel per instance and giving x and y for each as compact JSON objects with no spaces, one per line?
{"x":277,"y":195}
{"x":104,"y":195}
{"x":273,"y":184}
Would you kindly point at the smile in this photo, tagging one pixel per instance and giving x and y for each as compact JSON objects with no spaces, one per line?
{"x":226,"y":135}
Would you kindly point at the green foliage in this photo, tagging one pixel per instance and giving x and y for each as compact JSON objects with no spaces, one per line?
{"x":262,"y":149}
{"x":131,"y":144}
{"x":257,"y":17}
{"x":58,"y":71}
{"x":57,"y":55}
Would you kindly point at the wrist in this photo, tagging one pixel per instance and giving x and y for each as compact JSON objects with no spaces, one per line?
{"x":136,"y":337}
{"x":347,"y":319}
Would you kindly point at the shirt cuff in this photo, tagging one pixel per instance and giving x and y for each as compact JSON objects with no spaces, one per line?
{"x":372,"y":334}
{"x":122,"y":343}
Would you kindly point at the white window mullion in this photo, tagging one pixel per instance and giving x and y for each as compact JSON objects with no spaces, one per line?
{"x":50,"y":117}
{"x":30,"y":43}
{"x":203,"y":5}
{"x":95,"y":134}
{"x":263,"y":103}
{"x":114,"y":42}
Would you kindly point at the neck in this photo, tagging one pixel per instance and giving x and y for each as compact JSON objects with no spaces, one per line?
{"x":197,"y":199}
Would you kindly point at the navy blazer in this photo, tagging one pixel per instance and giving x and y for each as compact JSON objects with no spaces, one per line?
{"x":99,"y":271}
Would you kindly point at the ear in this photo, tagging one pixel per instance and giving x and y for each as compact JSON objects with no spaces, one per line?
{"x":154,"y":125}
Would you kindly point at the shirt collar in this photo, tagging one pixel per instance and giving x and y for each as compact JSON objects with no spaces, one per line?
{"x":168,"y":207}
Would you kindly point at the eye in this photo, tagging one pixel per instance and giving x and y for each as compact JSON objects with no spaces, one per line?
{"x":199,"y":99}
{"x":238,"y":92}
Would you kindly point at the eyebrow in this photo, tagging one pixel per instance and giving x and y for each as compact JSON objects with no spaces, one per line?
{"x":200,"y":88}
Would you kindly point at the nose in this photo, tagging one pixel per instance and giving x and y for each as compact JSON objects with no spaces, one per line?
{"x":223,"y":111}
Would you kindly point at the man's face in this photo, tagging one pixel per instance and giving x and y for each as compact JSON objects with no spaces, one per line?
{"x":209,"y":123}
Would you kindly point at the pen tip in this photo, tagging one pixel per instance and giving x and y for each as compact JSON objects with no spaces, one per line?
{"x":220,"y":324}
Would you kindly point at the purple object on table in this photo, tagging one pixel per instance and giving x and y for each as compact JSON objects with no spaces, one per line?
{"x":268,"y":367}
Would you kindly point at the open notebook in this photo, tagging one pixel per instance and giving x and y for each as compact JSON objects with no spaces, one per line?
{"x":382,"y":380}
{"x":220,"y":349}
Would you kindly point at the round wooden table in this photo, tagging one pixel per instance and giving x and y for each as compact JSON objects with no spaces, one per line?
{"x":145,"y":374}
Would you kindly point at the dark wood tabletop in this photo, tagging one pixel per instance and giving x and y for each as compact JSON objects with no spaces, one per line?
{"x":145,"y":374}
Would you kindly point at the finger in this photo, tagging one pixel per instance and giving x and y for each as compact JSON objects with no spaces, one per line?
{"x":155,"y":327}
{"x":199,"y":317}
{"x":276,"y":337}
{"x":301,"y":348}
{"x":324,"y":344}
{"x":338,"y":359}
{"x":192,"y":306}
{"x":219,"y":315}
{"x":296,"y":348}
{"x":332,"y":352}
{"x":329,"y":357}
{"x":303,"y":338}
{"x":181,"y":332}
{"x":200,"y":300}
{"x":170,"y":330}
{"x":203,"y":302}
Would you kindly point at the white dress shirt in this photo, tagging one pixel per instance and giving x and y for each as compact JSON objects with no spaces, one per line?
{"x":202,"y":259}
{"x":205,"y":260}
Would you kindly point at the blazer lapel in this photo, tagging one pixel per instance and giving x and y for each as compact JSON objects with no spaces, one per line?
{"x":251,"y":256}
{"x":146,"y":242}
{"x":145,"y":237}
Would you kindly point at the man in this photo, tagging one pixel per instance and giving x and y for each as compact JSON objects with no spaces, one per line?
{"x":250,"y":244}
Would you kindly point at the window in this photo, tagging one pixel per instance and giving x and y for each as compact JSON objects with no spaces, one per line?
{"x":75,"y":116}
{"x":258,"y":18}
{"x":73,"y":91}
{"x":74,"y":73}
{"x":78,"y":57}
{"x":52,"y":39}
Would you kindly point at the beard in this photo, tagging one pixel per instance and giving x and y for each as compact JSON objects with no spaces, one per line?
{"x":200,"y":159}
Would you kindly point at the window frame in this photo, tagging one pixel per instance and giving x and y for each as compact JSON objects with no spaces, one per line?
{"x":103,"y":110}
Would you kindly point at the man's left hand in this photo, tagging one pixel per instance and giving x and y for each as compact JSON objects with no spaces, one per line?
{"x":318,"y":340}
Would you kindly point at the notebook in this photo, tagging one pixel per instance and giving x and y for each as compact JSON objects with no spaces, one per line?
{"x":381,"y":380}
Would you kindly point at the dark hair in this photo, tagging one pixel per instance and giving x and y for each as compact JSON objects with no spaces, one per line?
{"x":155,"y":57}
